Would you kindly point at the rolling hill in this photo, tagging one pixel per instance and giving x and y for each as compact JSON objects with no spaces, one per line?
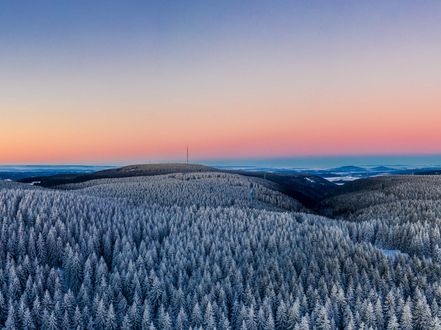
{"x":190,"y":189}
{"x":307,"y":189}
{"x":121,"y":172}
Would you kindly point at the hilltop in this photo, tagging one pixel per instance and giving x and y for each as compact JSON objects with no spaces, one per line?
{"x":121,"y":172}
{"x":306,"y":188}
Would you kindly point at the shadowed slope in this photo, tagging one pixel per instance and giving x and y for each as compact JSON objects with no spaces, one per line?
{"x":356,"y":199}
{"x":308,"y":189}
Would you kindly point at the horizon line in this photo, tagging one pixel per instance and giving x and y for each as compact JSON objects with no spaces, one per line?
{"x":226,"y":159}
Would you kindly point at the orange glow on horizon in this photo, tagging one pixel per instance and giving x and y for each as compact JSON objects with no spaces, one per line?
{"x":317,"y":128}
{"x":267,"y":79}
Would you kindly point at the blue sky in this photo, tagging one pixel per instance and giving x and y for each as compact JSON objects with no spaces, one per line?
{"x":232,"y":78}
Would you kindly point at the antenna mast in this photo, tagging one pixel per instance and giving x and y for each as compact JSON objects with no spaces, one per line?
{"x":187,"y":153}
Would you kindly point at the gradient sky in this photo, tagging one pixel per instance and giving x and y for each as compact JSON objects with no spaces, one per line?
{"x":122,"y":81}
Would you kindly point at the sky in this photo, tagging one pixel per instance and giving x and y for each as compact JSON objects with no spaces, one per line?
{"x":108,"y":81}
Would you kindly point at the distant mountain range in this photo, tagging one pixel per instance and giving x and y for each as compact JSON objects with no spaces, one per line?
{"x":342,"y":174}
{"x":17,"y":172}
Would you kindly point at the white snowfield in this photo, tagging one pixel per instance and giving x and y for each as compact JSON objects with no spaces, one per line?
{"x":103,"y":256}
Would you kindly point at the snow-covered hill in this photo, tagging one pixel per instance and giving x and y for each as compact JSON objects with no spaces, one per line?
{"x":402,"y":212}
{"x":102,"y":256}
{"x":201,"y":189}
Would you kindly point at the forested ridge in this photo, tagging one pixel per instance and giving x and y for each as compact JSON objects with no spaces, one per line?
{"x":199,"y":189}
{"x":141,"y":254}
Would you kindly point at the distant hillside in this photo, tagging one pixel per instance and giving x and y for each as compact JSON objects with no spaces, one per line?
{"x":428,"y":172}
{"x":187,"y":189}
{"x":399,"y":213}
{"x":307,"y":189}
{"x":19,"y":172}
{"x":122,"y":172}
{"x":347,"y":169}
{"x":385,"y":196}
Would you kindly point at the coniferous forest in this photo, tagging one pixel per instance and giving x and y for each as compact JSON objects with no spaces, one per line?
{"x":200,"y":251}
{"x":220,"y":165}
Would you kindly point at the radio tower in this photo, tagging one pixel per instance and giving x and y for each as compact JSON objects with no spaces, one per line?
{"x":187,"y":153}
